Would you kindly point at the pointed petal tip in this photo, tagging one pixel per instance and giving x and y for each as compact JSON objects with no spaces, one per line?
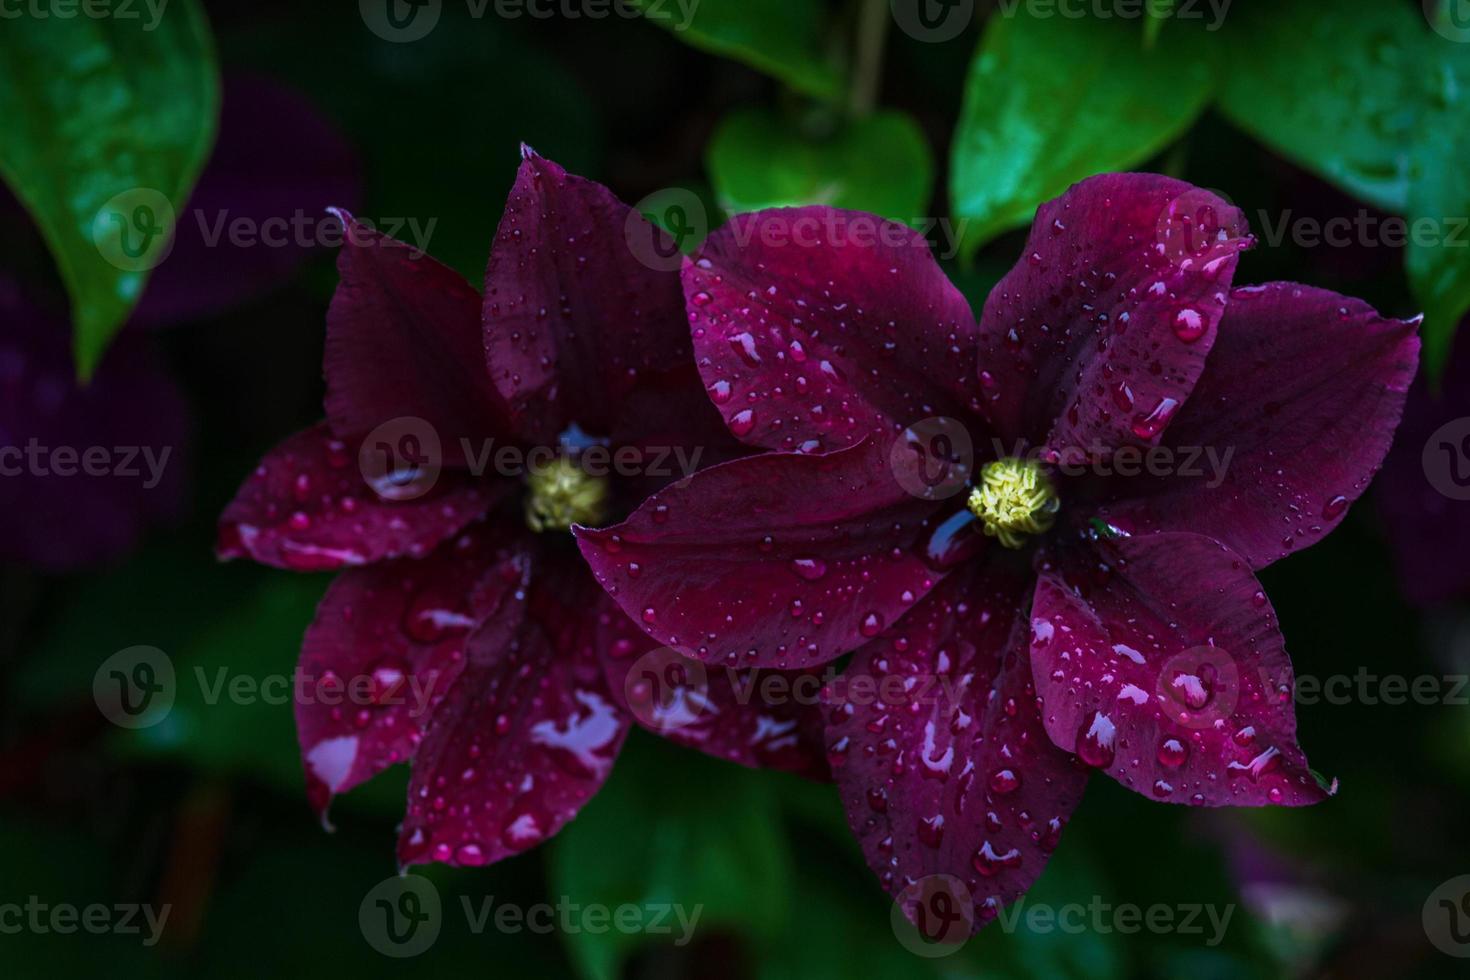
{"x":528,"y":152}
{"x":229,"y":543}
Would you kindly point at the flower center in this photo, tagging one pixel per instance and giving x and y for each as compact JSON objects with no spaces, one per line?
{"x":1014,"y":499}
{"x":562,"y":494}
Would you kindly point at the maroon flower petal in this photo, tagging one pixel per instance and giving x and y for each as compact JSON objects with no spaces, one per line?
{"x":781,"y":560}
{"x":573,"y":319}
{"x":403,"y":341}
{"x":385,"y":648}
{"x":1158,"y":660}
{"x":1290,"y":421}
{"x":814,"y":326}
{"x":1099,"y":333}
{"x":307,"y":508}
{"x":761,"y":719}
{"x":939,"y":751}
{"x":525,"y":737}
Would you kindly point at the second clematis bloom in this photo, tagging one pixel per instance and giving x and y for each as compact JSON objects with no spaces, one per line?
{"x":1039,"y":532}
{"x":464,"y":436}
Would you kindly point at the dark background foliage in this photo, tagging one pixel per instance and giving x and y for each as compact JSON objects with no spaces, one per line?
{"x":206,"y":811}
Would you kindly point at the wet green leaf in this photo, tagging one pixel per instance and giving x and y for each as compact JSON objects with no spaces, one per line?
{"x":1051,"y":101}
{"x":880,"y":164}
{"x":1375,"y":101}
{"x":786,"y":39}
{"x":107,"y":124}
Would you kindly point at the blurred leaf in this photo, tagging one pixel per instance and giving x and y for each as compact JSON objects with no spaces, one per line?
{"x":54,"y":866}
{"x":786,"y":39}
{"x":879,"y":164}
{"x":1012,"y":947}
{"x":233,"y":711}
{"x":1051,"y":101}
{"x":675,"y":827}
{"x":108,"y":122}
{"x":218,"y":624}
{"x":1376,"y":102}
{"x":1439,"y":267}
{"x":840,"y":933}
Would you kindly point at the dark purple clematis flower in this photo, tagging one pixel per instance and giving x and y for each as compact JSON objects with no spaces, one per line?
{"x":1081,"y":607}
{"x":489,"y":656}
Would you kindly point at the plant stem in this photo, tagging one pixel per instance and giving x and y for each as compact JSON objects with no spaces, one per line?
{"x":871,"y":30}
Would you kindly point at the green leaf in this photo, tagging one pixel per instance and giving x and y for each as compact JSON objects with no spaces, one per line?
{"x":1374,"y":101}
{"x":1049,"y":102}
{"x":108,"y":122}
{"x":785,"y":39}
{"x":880,"y":164}
{"x":1438,"y":264}
{"x":674,"y":827}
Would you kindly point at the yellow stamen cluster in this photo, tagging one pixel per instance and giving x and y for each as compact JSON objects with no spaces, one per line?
{"x":1014,"y":499}
{"x":561,"y":494}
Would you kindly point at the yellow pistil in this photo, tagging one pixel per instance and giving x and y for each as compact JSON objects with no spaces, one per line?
{"x":562,"y":494}
{"x":1014,"y":499}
